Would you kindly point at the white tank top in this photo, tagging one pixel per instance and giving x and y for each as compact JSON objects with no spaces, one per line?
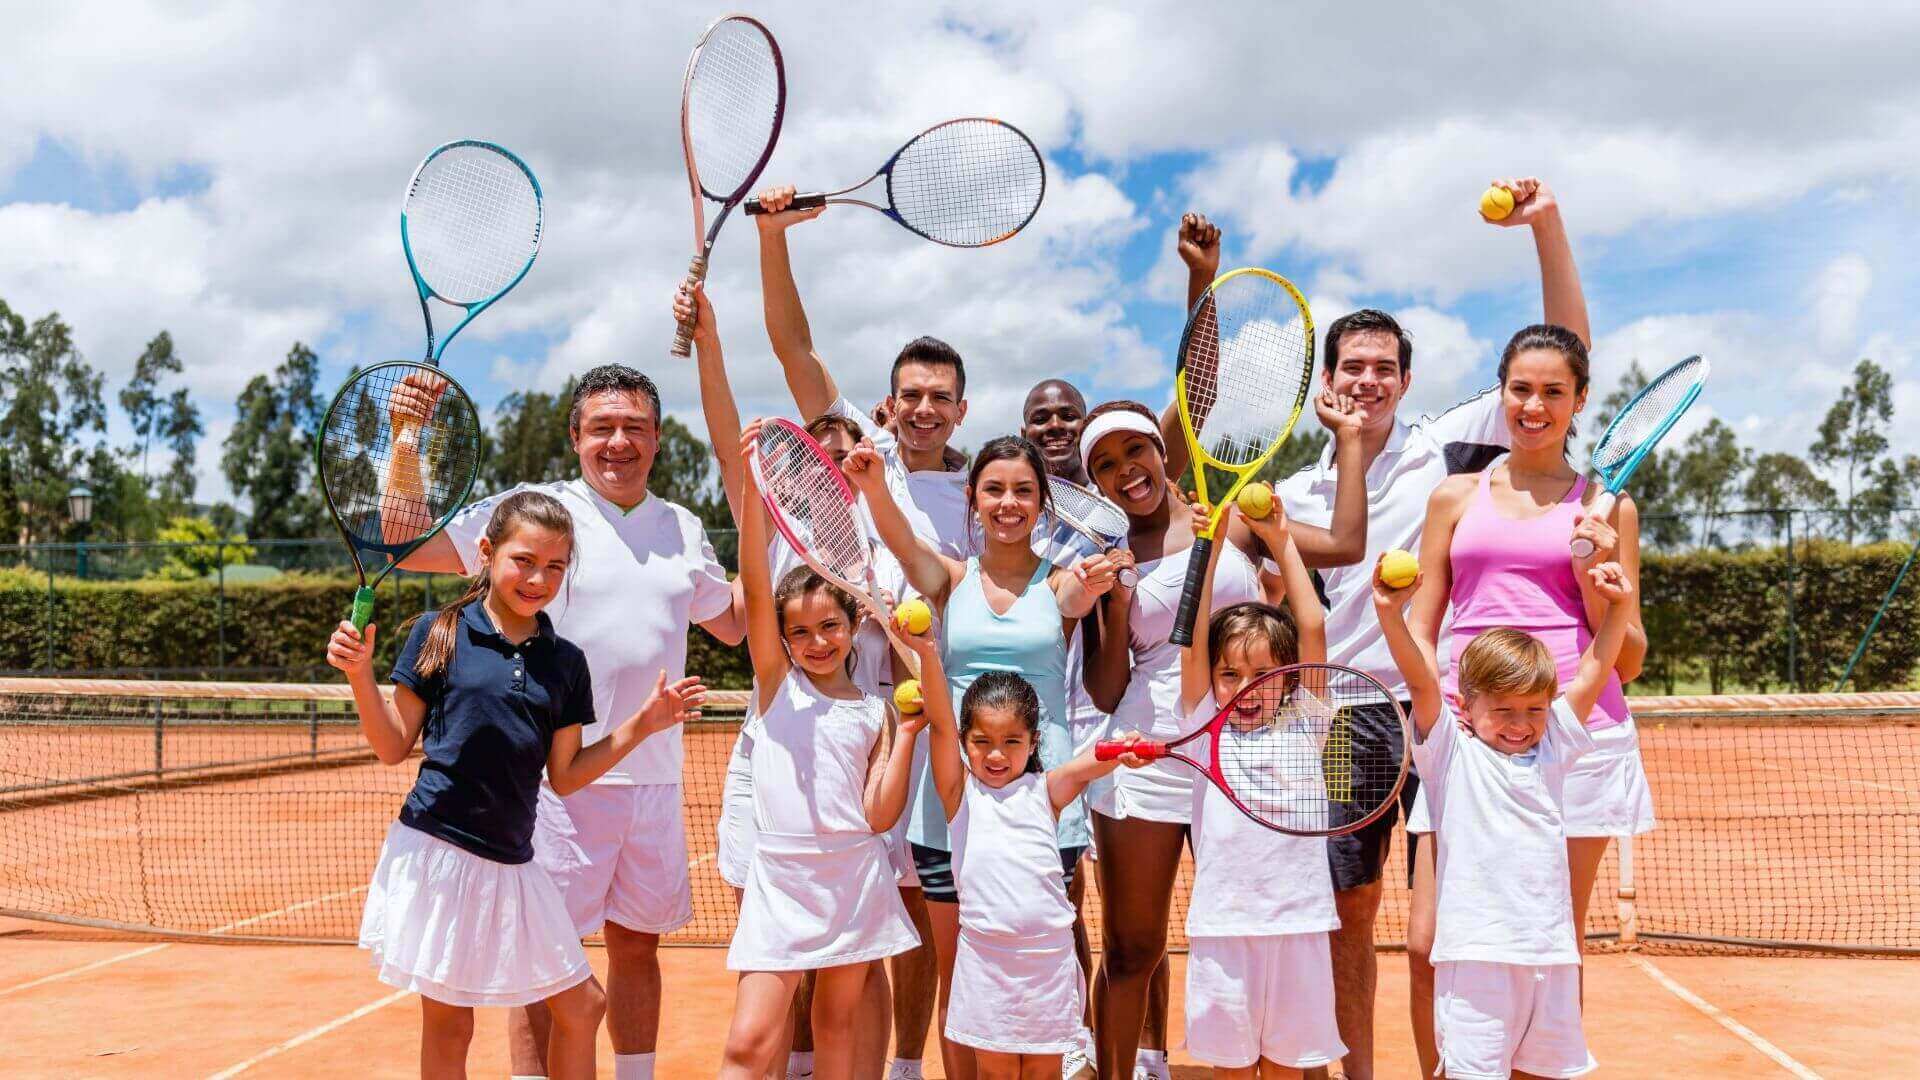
{"x":1006,"y":864}
{"x":1248,"y":880}
{"x":1151,"y":704}
{"x":810,"y":757}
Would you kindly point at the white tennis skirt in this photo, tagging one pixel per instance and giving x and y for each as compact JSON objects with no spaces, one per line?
{"x":1016,"y":995}
{"x":465,"y":930}
{"x":1606,"y":793}
{"x":736,"y":829}
{"x":819,"y":901}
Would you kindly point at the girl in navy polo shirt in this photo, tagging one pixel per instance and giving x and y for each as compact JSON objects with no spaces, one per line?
{"x":457,"y":910}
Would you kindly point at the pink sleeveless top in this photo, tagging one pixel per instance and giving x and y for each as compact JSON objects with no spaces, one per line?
{"x":1517,"y":572}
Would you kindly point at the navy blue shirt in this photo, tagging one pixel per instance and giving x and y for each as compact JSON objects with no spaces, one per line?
{"x":491,"y":714}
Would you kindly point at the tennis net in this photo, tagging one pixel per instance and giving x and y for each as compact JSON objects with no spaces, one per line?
{"x":252,"y":811}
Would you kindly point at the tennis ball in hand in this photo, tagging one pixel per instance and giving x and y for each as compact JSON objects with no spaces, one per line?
{"x":906,"y":697}
{"x":1256,"y":500}
{"x":1496,"y":204}
{"x":914,"y":616}
{"x":1398,"y":568}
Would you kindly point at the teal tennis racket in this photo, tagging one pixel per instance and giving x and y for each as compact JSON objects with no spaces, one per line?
{"x":471,"y":229}
{"x":1637,"y":430}
{"x":398,"y":453}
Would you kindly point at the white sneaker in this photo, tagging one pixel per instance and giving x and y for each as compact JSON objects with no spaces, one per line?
{"x":1076,"y":1065}
{"x":901,"y":1070}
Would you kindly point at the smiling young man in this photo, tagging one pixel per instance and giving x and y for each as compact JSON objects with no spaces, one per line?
{"x":1368,"y":358}
{"x":642,"y":573}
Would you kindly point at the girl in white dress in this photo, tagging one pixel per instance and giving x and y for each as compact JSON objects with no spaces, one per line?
{"x":1016,"y":997}
{"x":1259,"y":964}
{"x":819,"y":892}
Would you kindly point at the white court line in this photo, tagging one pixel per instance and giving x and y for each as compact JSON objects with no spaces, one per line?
{"x":151,"y":949}
{"x":308,"y":1036}
{"x":1707,"y":1009}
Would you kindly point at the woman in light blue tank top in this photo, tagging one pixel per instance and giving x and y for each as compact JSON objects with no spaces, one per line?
{"x":1006,"y":609}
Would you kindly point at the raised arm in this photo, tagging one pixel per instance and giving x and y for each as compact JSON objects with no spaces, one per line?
{"x":1077,"y":588}
{"x":1596,"y":664}
{"x":1429,"y":609}
{"x":1107,"y":666}
{"x":764,"y":644}
{"x":813,"y":387}
{"x":1196,"y":662}
{"x":1066,"y":782}
{"x":1618,"y":541}
{"x":891,"y":785}
{"x":717,"y":402}
{"x":937,"y":704}
{"x":1199,"y":245}
{"x":1534,"y":206}
{"x":1344,"y":541}
{"x":930,"y":573}
{"x":402,"y":498}
{"x":1415,"y":664}
{"x":1309,"y":618}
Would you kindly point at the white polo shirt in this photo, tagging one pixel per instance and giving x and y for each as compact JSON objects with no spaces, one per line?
{"x":1416,"y":459}
{"x":933,"y":500}
{"x":638,"y":579}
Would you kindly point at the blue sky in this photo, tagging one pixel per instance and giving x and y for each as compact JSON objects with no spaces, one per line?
{"x":1761,"y":213}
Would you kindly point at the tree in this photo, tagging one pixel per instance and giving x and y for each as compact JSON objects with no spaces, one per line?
{"x":52,"y":415}
{"x":1853,"y":436}
{"x":172,"y":419}
{"x":1709,"y":470}
{"x":1890,"y":487}
{"x":268,"y":456}
{"x":531,"y":440}
{"x":1654,"y":482}
{"x":1785,"y":481}
{"x":205,"y":548}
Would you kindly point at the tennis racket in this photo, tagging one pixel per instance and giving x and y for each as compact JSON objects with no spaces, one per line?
{"x":1634,"y":433}
{"x":1308,"y":749}
{"x":731,"y":104}
{"x":398,"y":452}
{"x":470,"y":227}
{"x":1246,"y":361}
{"x":813,"y":506}
{"x":1093,"y":517}
{"x":965,"y":183}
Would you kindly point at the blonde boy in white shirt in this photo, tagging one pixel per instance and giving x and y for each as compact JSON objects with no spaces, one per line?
{"x":1505,"y":952}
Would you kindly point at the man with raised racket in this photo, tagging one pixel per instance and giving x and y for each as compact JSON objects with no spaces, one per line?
{"x":643,"y":572}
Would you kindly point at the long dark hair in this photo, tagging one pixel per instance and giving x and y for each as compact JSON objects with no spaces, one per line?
{"x":535,"y":508}
{"x":1010,"y":448}
{"x":1004,"y":690}
{"x":1553,"y":339}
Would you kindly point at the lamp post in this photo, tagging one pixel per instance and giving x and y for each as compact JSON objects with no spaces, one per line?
{"x":80,"y":508}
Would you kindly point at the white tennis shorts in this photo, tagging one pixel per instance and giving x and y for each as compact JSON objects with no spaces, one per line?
{"x":1492,"y":1019}
{"x":1269,"y":997}
{"x":618,"y":854}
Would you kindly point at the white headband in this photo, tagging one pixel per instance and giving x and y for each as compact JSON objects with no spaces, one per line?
{"x":1108,"y":423}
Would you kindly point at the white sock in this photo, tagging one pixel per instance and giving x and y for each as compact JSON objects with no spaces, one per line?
{"x":1155,"y":1062}
{"x":800,"y":1063}
{"x":905,"y":1069}
{"x":633,"y":1067}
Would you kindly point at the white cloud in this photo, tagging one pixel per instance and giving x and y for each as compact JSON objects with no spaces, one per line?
{"x":1836,"y":297}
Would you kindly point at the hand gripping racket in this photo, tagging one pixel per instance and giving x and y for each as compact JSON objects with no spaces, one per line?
{"x":1093,"y":517}
{"x":813,"y":506}
{"x":471,"y":228}
{"x":1634,"y":433}
{"x":964,"y":183}
{"x":731,"y":104}
{"x":398,"y":453}
{"x":1308,"y":749}
{"x":1246,"y":361}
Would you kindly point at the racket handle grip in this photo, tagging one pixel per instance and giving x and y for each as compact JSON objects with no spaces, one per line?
{"x":1602,"y":507}
{"x":362,"y":608}
{"x":1197,"y":559}
{"x":811,"y":200}
{"x":683,"y":337}
{"x":1128,"y":578}
{"x":1112,"y":749}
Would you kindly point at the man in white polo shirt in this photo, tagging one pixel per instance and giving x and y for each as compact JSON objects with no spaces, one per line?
{"x":642,"y":573}
{"x":1368,"y":357}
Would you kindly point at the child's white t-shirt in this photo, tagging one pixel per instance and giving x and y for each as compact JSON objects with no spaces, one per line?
{"x":1504,"y":891}
{"x":1250,"y":881}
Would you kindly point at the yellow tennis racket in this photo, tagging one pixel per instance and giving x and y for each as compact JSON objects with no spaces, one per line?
{"x":1246,"y":361}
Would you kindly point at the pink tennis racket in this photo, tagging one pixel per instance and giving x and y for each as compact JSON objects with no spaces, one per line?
{"x":1307,"y":749}
{"x":814,"y":508}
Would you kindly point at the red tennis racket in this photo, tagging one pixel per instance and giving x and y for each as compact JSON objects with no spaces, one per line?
{"x":1307,"y":749}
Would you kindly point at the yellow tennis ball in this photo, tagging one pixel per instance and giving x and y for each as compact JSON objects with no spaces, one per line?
{"x":906,"y":697}
{"x":1256,"y":500}
{"x":1398,"y":569}
{"x":914,"y":616}
{"x":1496,"y":204}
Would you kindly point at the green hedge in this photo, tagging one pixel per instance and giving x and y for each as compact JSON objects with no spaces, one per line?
{"x":275,"y":629}
{"x":1716,"y":620}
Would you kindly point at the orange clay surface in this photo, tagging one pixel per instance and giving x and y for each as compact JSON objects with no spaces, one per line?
{"x":75,"y":1004}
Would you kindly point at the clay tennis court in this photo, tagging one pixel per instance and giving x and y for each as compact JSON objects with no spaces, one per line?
{"x":1789,"y":849}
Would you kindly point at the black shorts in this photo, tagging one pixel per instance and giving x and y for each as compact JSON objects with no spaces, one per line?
{"x":935,"y":868}
{"x":1359,"y":858}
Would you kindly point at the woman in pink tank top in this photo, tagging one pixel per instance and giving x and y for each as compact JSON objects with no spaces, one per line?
{"x":1496,"y":551}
